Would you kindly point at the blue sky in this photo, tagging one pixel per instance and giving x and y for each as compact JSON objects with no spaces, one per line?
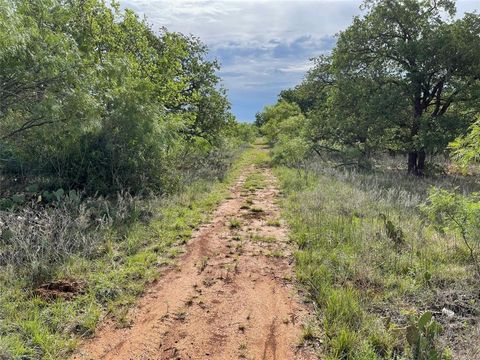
{"x":263,"y":46}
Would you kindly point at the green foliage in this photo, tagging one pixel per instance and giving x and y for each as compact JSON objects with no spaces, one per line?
{"x":402,"y":78}
{"x":114,"y":248}
{"x":284,"y":127}
{"x":274,"y":116}
{"x":290,"y":151}
{"x":366,"y":272}
{"x":402,"y":47}
{"x":91,"y":98}
{"x":394,"y":233}
{"x":466,"y":149}
{"x":458,"y":213}
{"x":422,"y":337}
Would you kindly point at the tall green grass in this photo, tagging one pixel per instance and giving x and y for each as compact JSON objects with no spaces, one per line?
{"x":370,"y":260}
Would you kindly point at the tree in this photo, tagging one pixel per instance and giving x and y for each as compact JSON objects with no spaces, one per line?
{"x":92,"y":98}
{"x":40,"y":79}
{"x":429,"y":59}
{"x":312,"y":93}
{"x":272,"y":118}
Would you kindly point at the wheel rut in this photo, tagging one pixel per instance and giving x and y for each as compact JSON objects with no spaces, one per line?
{"x":229,"y":297}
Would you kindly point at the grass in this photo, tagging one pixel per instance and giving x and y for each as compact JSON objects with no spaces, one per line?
{"x":274,"y":222}
{"x":262,"y":238}
{"x":367,"y":278}
{"x":115,"y":275}
{"x":254,"y":181}
{"x":234,"y":223}
{"x":310,"y":331}
{"x":203,"y":264}
{"x":275,"y":254}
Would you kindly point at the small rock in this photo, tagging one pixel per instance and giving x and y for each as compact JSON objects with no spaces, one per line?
{"x":448,"y":313}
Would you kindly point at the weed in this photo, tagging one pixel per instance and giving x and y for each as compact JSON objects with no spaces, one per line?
{"x":114,"y":246}
{"x":422,"y":336}
{"x":203,"y":264}
{"x":234,"y":223}
{"x":121,"y":317}
{"x":309,"y":331}
{"x":276,"y":254}
{"x":262,"y":238}
{"x":180,"y":315}
{"x":254,"y":181}
{"x":242,"y":349}
{"x":274,"y":222}
{"x":209,"y":281}
{"x":394,"y":233}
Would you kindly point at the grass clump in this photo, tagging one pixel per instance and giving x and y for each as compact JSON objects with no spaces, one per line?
{"x":263,"y":238}
{"x":234,"y":223}
{"x":254,"y":181}
{"x":274,"y":222}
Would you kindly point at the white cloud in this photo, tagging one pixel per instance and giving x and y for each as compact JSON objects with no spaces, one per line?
{"x":263,"y":45}
{"x":220,"y":21}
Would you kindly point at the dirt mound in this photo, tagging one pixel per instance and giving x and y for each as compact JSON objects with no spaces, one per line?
{"x":62,"y":289}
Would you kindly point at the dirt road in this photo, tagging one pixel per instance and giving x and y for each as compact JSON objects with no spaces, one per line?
{"x":229,"y":297}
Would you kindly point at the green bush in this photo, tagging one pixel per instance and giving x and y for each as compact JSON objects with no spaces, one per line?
{"x":103,"y":103}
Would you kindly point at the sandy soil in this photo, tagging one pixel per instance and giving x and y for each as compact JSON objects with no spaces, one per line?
{"x":229,"y":297}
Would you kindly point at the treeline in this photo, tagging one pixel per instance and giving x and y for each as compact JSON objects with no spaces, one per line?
{"x":404,"y":78}
{"x":92,"y":98}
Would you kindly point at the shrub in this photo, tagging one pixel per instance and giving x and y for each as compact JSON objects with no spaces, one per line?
{"x":457,"y":213}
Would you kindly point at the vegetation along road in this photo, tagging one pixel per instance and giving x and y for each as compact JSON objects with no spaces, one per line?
{"x":140,"y":220}
{"x":229,"y":296}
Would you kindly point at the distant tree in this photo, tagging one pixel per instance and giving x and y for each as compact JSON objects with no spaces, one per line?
{"x":424,"y":57}
{"x":312,"y":93}
{"x":273,"y":117}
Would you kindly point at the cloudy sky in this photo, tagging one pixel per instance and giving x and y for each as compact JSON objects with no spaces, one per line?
{"x":263,"y":46}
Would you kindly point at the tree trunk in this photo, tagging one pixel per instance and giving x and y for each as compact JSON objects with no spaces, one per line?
{"x":412,"y":162}
{"x":416,"y":158}
{"x":416,"y":162}
{"x":421,"y":163}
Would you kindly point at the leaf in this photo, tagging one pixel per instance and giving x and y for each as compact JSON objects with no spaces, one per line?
{"x":424,"y":320}
{"x":48,"y":196}
{"x":59,"y":194}
{"x":428,"y":276}
{"x":413,"y":336}
{"x":433,"y":355}
{"x":32,"y":188}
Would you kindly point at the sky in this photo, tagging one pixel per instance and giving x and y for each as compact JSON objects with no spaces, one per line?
{"x":263,"y":46}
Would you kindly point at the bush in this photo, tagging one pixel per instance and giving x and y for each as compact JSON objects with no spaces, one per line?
{"x":102,"y":102}
{"x":457,"y":213}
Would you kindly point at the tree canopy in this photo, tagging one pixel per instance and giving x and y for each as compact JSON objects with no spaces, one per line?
{"x":92,"y":97}
{"x":404,"y":77}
